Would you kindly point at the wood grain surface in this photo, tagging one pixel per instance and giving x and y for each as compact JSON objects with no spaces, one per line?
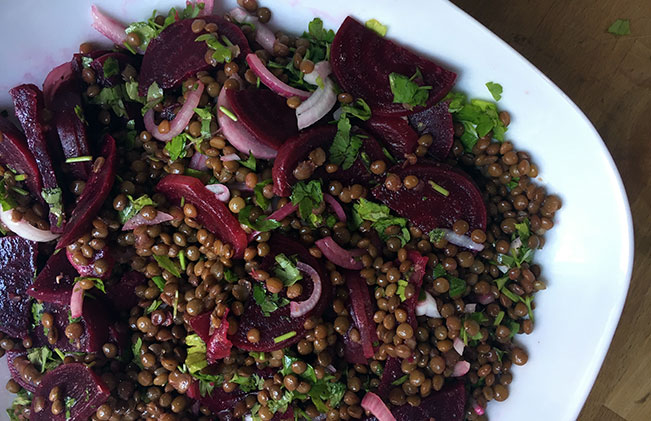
{"x":609,"y":77}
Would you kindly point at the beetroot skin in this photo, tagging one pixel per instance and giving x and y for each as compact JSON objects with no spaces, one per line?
{"x":95,"y":193}
{"x":54,"y":282}
{"x":81,"y":388}
{"x":436,"y":121}
{"x":17,"y":269}
{"x":395,"y":133}
{"x":362,"y":61}
{"x":15,"y":154}
{"x":174,"y":55}
{"x":122,"y":294}
{"x":429,"y":209}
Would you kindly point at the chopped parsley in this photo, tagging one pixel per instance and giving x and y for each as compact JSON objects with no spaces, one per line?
{"x":69,"y":402}
{"x":478,"y":117}
{"x":221,"y":51}
{"x":495,"y":89}
{"x":134,"y":207}
{"x":457,"y":285}
{"x":268,"y":302}
{"x":176,"y":148}
{"x":248,"y":384}
{"x":262,"y":223}
{"x":249,"y":162}
{"x":286,"y":270}
{"x":54,"y":198}
{"x":153,"y":306}
{"x":99,"y":284}
{"x":377,"y":27}
{"x":195,"y":360}
{"x":380,"y":216}
{"x":321,"y":40}
{"x":406,"y":91}
{"x":111,"y":67}
{"x":6,"y":201}
{"x":159,"y":282}
{"x":308,"y":196}
{"x":402,"y":284}
{"x":345,"y":147}
{"x":79,"y":112}
{"x":43,"y":358}
{"x":262,"y":201}
{"x":113,"y":97}
{"x":205,"y":114}
{"x":359,"y":109}
{"x":620,"y":27}
{"x":285,"y":337}
{"x":37,"y":313}
{"x":136,"y":348}
{"x":166,"y":263}
{"x":436,"y":235}
{"x":400,"y":380}
{"x":155,"y":95}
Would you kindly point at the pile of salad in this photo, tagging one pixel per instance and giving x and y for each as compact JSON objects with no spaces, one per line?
{"x":210,"y":220}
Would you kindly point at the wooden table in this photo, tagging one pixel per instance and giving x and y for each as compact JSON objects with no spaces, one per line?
{"x":609,"y":77}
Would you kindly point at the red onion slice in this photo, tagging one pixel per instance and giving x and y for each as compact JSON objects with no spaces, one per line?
{"x":138,"y":220}
{"x":277,"y":215}
{"x":317,"y":105}
{"x":208,"y":7}
{"x":339,"y":256}
{"x":458,"y":345}
{"x":238,"y":136}
{"x":336,"y":206}
{"x":107,"y":26}
{"x":198,"y":162}
{"x":263,"y":35}
{"x":271,"y":81}
{"x":486,"y":299}
{"x":462,"y":240}
{"x":180,"y":121}
{"x":230,"y":157}
{"x":461,"y":368}
{"x":428,"y":307}
{"x":322,"y":69}
{"x":373,"y":404}
{"x":221,"y":191}
{"x":298,"y":309}
{"x":76,"y":301}
{"x":23,"y":229}
{"x":478,"y":409}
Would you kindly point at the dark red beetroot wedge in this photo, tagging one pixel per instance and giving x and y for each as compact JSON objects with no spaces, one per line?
{"x":297,"y":149}
{"x":437,"y":121}
{"x":392,"y":372}
{"x":17,"y":362}
{"x":174,"y":55}
{"x":419,"y":263}
{"x":94,"y":321}
{"x":264,"y":114}
{"x":280,"y":322}
{"x":62,"y":93}
{"x":218,"y":345}
{"x":395,"y":133}
{"x":448,"y":404}
{"x":123,"y":294}
{"x":212,"y":213}
{"x":79,"y":386}
{"x":427,"y":208}
{"x":88,"y":270}
{"x":362,"y":311}
{"x":15,"y":154}
{"x":219,"y":402}
{"x":97,"y":189}
{"x":28,"y":101}
{"x":54,"y":283}
{"x":17,"y":270}
{"x":110,"y":79}
{"x":362,"y":61}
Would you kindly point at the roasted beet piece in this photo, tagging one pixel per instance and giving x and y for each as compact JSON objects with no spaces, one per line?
{"x":362,"y":61}
{"x":362,"y":311}
{"x":28,"y":101}
{"x":17,"y":270}
{"x":15,"y":154}
{"x":105,"y":75}
{"x":211,"y":212}
{"x":297,"y":149}
{"x":265,"y":114}
{"x":427,"y":208}
{"x":395,"y":134}
{"x":97,"y":189}
{"x":448,"y":404}
{"x":54,"y":283}
{"x":436,"y":121}
{"x":80,"y":388}
{"x":280,"y":322}
{"x":94,"y":321}
{"x":62,"y":93}
{"x":89,"y":270}
{"x":122,"y":294}
{"x":16,"y":362}
{"x":218,"y":401}
{"x":174,"y":55}
{"x":218,"y":346}
{"x":419,"y":263}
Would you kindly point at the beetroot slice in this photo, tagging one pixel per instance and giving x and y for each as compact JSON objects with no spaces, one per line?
{"x":464,"y":200}
{"x":419,"y":263}
{"x":15,"y":154}
{"x":16,"y":359}
{"x":362,"y":61}
{"x":88,"y":270}
{"x":17,"y":270}
{"x":123,"y":294}
{"x":219,"y":402}
{"x":265,"y":114}
{"x":79,"y":385}
{"x":94,"y":321}
{"x":62,"y":88}
{"x":392,"y":372}
{"x":114,"y":79}
{"x":218,"y":345}
{"x":174,"y":55}
{"x":437,"y":121}
{"x":362,"y":311}
{"x":395,"y":133}
{"x":448,"y":404}
{"x":280,"y":322}
{"x":97,"y":189}
{"x":28,"y":102}
{"x":212,"y":213}
{"x":54,"y":283}
{"x":297,"y":149}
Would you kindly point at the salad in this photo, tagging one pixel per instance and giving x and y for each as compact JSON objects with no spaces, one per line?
{"x":210,"y":220}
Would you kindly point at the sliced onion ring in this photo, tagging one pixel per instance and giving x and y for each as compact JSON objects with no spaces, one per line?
{"x":336,"y":206}
{"x":263,"y":35}
{"x":339,"y":256}
{"x":322,"y":69}
{"x":76,"y":301}
{"x":221,"y":191}
{"x":107,"y":26}
{"x":230,"y":157}
{"x":138,"y":220}
{"x":458,"y":345}
{"x":462,"y":240}
{"x":271,"y":81}
{"x":198,"y":162}
{"x":181,"y":120}
{"x":277,"y":215}
{"x":317,"y":105}
{"x":428,"y":307}
{"x":25,"y":230}
{"x":461,"y":368}
{"x":298,"y":309}
{"x":373,"y":404}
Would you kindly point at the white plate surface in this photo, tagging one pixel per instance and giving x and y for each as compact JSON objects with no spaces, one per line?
{"x":588,"y":280}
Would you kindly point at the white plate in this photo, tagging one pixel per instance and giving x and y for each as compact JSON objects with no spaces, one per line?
{"x":589,"y":254}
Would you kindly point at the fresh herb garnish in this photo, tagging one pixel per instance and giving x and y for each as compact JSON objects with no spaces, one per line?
{"x":205,"y":114}
{"x":400,"y":380}
{"x":249,"y":162}
{"x":6,"y":201}
{"x":268,"y":302}
{"x":260,"y":200}
{"x":406,"y":91}
{"x":69,"y":403}
{"x":54,"y":198}
{"x":134,"y":207}
{"x":79,"y":112}
{"x":228,"y":113}
{"x":248,"y":384}
{"x":166,"y":263}
{"x":620,"y":27}
{"x":136,"y":348}
{"x":377,"y":27}
{"x":478,"y":117}
{"x":221,"y":52}
{"x":43,"y":358}
{"x":359,"y":109}
{"x":99,"y":284}
{"x":438,"y":188}
{"x":113,"y":97}
{"x":436,"y":235}
{"x":286,"y":270}
{"x":262,"y":223}
{"x":495,"y":89}
{"x":153,"y":306}
{"x":72,"y":160}
{"x":345,"y":147}
{"x":195,"y":360}
{"x":288,"y":335}
{"x":308,"y":196}
{"x":457,"y":285}
{"x":177,"y":147}
{"x":111,"y":67}
{"x":320,"y":38}
{"x":380,"y":216}
{"x":159,"y":281}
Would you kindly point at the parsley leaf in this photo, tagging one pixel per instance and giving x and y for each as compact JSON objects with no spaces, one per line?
{"x":402,"y":284}
{"x":69,"y":403}
{"x":307,"y":196}
{"x":166,"y":263}
{"x":6,"y":201}
{"x":43,"y":358}
{"x":159,"y":281}
{"x":620,"y":27}
{"x":249,"y":162}
{"x":153,"y":306}
{"x":377,"y":27}
{"x":495,"y":89}
{"x":457,"y":285}
{"x":436,"y":235}
{"x":99,"y":284}
{"x":112,"y":96}
{"x":344,"y":148}
{"x":320,"y":38}
{"x":135,"y":349}
{"x":176,"y":148}
{"x":261,"y":224}
{"x":262,"y":201}
{"x":248,"y":384}
{"x":111,"y":67}
{"x":37,"y":313}
{"x":54,"y":198}
{"x":196,"y":355}
{"x":478,"y":117}
{"x":268,"y":302}
{"x":221,"y":52}
{"x":286,"y":270}
{"x":155,"y":95}
{"x":359,"y":109}
{"x":400,"y":380}
{"x":134,"y":207}
{"x":406,"y":91}
{"x":205,"y":114}
{"x":380,"y":216}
